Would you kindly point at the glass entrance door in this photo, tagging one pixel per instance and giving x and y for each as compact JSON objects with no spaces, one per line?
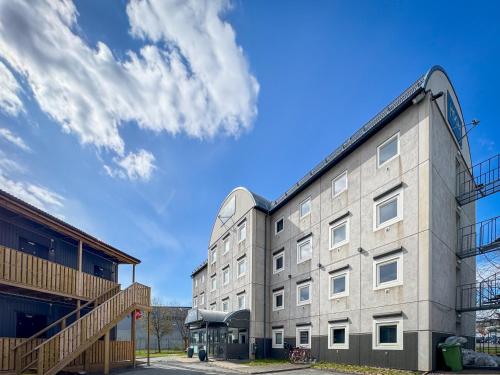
{"x":217,"y":342}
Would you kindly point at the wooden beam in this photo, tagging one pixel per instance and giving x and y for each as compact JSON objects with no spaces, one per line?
{"x":133,"y":273}
{"x":132,"y":335}
{"x":106,"y":352}
{"x":148,"y":330}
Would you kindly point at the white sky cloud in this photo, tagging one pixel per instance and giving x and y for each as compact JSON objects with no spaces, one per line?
{"x":189,"y":75}
{"x":10,"y":102}
{"x":135,"y":166}
{"x":14,"y":139}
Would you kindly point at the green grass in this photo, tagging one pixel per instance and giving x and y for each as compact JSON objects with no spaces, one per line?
{"x":365,"y":370}
{"x":154,"y":353}
{"x":266,"y":362}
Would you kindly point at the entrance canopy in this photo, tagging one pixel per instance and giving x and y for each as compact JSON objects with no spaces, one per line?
{"x":237,"y":319}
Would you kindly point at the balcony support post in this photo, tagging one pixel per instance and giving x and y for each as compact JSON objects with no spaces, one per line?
{"x":132,"y":335}
{"x":106,"y":352}
{"x":133,"y":273}
{"x":148,"y":331}
{"x":79,"y":283}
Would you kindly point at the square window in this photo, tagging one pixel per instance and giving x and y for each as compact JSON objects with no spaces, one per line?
{"x":279,"y":225}
{"x":339,"y":184}
{"x":304,"y":250}
{"x":388,"y":211}
{"x":339,"y":285}
{"x":225,"y":305}
{"x":242,"y":232}
{"x":303,"y":294}
{"x":338,"y":336}
{"x":241,"y":301}
{"x":278,"y":300}
{"x":225,"y":276}
{"x":388,"y":272}
{"x":242,"y":267}
{"x":388,"y":334}
{"x":303,"y":337}
{"x":227,"y":245}
{"x":278,"y":262}
{"x":278,"y":338}
{"x":388,"y":150}
{"x":305,"y":208}
{"x":339,"y":234}
{"x":213,"y":282}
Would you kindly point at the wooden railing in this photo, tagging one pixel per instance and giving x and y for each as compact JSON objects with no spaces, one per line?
{"x":25,"y":270}
{"x":58,"y":351}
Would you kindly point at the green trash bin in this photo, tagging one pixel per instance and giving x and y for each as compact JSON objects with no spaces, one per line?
{"x":452,"y":354}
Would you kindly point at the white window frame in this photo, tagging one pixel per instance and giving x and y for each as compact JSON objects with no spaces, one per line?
{"x":196,"y":282}
{"x":279,"y":293}
{"x":388,"y":259}
{"x":276,"y":256}
{"x":213,"y":283}
{"x":195,"y":302}
{"x":338,"y":177}
{"x":225,"y":302}
{"x":226,"y":246}
{"x":282,"y":345}
{"x":243,"y":260}
{"x":308,"y":239}
{"x":335,"y":226}
{"x":398,"y":195}
{"x":385,"y":143}
{"x":213,"y":306}
{"x":226,"y":271}
{"x":300,"y":208}
{"x":300,"y":286}
{"x":379,"y":322}
{"x":297,"y":337}
{"x":213,"y":255}
{"x":336,"y":275}
{"x":244,"y":296}
{"x":332,"y":326}
{"x":276,"y":232}
{"x":203,"y":279}
{"x":242,"y":229}
{"x":202,"y":299}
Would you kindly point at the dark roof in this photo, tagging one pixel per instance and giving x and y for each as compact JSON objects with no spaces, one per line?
{"x":261,"y":202}
{"x":23,"y":208}
{"x":200,"y":267}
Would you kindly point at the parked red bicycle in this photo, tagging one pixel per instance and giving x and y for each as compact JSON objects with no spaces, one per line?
{"x":298,"y":355}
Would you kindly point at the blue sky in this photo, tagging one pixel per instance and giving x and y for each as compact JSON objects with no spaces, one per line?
{"x":87,"y":133}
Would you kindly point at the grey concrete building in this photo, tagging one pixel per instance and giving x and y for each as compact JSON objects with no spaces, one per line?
{"x":357,"y":261}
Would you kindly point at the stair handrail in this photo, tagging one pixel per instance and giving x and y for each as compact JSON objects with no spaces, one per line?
{"x":61,"y":321}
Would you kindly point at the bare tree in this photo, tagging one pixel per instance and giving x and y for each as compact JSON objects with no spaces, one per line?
{"x":160,"y":324}
{"x":178,"y":317}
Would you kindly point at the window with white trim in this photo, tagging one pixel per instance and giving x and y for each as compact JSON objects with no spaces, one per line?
{"x":203,"y":279}
{"x":225,"y":276}
{"x":388,"y":271}
{"x":304,"y":250}
{"x":303,"y":337}
{"x":195,"y":302}
{"x":388,"y":150}
{"x":213,"y":282}
{"x":303,"y":294}
{"x":339,"y":234}
{"x":338,"y":336}
{"x":195,"y":282}
{"x":242,"y":301}
{"x":225,"y":305}
{"x":278,"y":338}
{"x":213,"y":306}
{"x":339,"y":184}
{"x":242,"y":232}
{"x":242,"y":267}
{"x":387,"y":333}
{"x":202,"y":299}
{"x":279,"y":300}
{"x":279,"y":262}
{"x":305,"y":207}
{"x":279,"y":225}
{"x":388,"y":211}
{"x":339,"y":284}
{"x":214,"y":255}
{"x":227,"y":245}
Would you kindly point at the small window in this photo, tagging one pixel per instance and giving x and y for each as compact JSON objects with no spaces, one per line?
{"x":214,"y":255}
{"x":241,"y":301}
{"x":388,"y":272}
{"x":304,"y":337}
{"x":305,"y":208}
{"x":388,"y":334}
{"x":279,"y":262}
{"x":242,"y":267}
{"x":242,"y":232}
{"x":279,"y":225}
{"x":203,"y":279}
{"x":227,"y":245}
{"x":195,"y":302}
{"x":339,"y":234}
{"x":195,"y":282}
{"x":225,"y":276}
{"x":202,"y":299}
{"x":303,"y":294}
{"x":388,"y":150}
{"x":304,"y":250}
{"x":338,"y":336}
{"x":225,"y":305}
{"x":388,"y":211}
{"x":213,"y":282}
{"x":339,"y":284}
{"x":278,"y":300}
{"x":213,"y":306}
{"x":278,"y":338}
{"x":339,"y":184}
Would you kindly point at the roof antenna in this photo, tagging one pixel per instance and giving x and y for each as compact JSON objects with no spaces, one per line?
{"x":475,"y":122}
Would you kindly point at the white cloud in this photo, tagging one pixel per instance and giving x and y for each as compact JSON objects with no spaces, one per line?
{"x":189,"y":75}
{"x":135,"y":166}
{"x":14,"y":139}
{"x":10,"y":102}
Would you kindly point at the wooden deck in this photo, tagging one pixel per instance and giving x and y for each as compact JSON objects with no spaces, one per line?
{"x":19,"y":269}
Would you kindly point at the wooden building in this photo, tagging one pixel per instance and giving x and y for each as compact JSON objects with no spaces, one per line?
{"x":59,"y":295}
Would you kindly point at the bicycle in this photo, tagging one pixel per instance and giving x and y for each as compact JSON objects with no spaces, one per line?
{"x":297,"y":354}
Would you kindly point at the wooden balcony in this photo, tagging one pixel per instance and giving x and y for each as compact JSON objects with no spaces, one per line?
{"x":18,"y":269}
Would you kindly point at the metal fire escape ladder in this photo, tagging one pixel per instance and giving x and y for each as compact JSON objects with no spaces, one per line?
{"x":479,"y":238}
{"x":481,"y":295}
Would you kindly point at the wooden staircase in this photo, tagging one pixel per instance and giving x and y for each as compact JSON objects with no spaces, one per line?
{"x":58,"y":351}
